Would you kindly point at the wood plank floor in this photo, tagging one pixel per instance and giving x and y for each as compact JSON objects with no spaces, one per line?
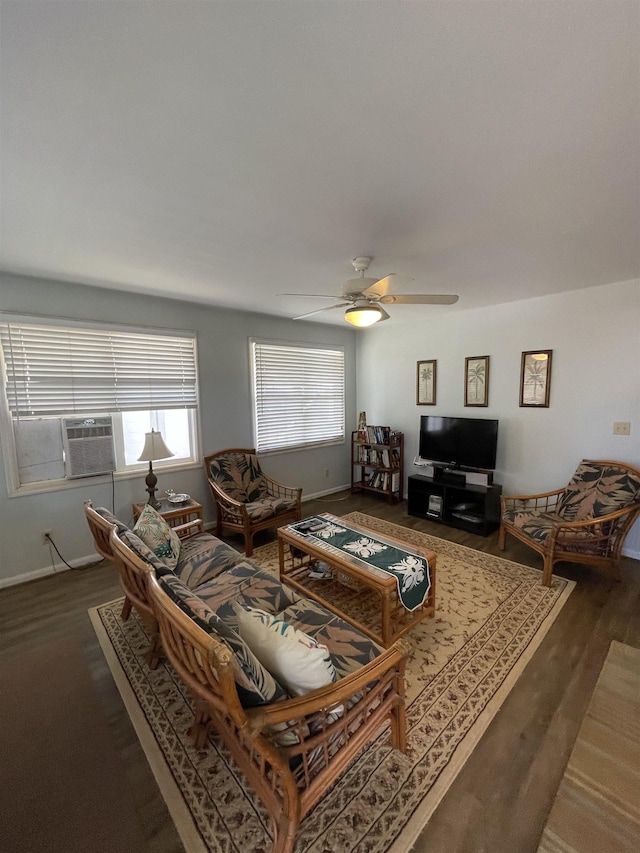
{"x":499,"y":802}
{"x":598,"y":803}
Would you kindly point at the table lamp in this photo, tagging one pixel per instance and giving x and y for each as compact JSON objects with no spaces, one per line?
{"x":154,"y":448}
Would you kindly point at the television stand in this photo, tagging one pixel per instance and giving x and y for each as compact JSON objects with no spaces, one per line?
{"x":457,"y":504}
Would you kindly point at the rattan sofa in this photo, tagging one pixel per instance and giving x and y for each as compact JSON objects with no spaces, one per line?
{"x":291,"y":748}
{"x":202,"y":556}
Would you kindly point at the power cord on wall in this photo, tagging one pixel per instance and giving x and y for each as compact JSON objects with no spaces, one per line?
{"x":47,"y":536}
{"x":332,"y":500}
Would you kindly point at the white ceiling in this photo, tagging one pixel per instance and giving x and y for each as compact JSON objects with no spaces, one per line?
{"x":226,"y":152}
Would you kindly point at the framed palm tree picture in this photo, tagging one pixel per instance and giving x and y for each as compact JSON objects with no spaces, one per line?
{"x":426,"y":383}
{"x":476,"y":380}
{"x":535,"y":378}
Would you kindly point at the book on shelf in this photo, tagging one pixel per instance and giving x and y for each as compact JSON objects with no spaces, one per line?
{"x":378,"y":434}
{"x":378,"y":480}
{"x":383,"y":458}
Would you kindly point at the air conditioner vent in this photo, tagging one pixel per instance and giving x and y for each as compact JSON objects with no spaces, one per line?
{"x":88,"y":447}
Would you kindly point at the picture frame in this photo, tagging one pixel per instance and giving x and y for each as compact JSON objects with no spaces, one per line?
{"x":426,"y":377}
{"x":476,"y":380}
{"x":535,"y":378}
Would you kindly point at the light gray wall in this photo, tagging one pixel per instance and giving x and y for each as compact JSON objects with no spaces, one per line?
{"x":595,"y":338}
{"x":594,"y":334}
{"x":225,"y":410}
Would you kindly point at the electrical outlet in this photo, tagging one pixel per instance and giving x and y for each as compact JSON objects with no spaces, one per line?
{"x":45,"y":536}
{"x":326,"y":472}
{"x":621,"y":428}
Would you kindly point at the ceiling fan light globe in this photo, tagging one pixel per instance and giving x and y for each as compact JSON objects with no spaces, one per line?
{"x":363,"y":315}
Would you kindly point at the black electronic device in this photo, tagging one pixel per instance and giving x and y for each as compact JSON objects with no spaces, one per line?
{"x":459,"y":442}
{"x":449,"y":475}
{"x":310,"y":525}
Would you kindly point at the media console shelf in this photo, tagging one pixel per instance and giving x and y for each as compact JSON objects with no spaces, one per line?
{"x":467,"y":507}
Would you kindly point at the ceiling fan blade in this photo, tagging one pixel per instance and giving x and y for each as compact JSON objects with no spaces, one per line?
{"x":358,"y":285}
{"x":383,"y":285}
{"x":384,"y":315}
{"x":318,"y":310}
{"x":313,"y":295}
{"x":420,"y":299}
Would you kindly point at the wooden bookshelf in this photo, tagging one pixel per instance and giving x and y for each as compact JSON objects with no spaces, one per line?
{"x":377,"y":462}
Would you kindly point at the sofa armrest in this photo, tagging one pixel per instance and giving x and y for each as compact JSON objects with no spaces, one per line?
{"x":319,"y":733}
{"x":338,"y":693}
{"x":189,"y":528}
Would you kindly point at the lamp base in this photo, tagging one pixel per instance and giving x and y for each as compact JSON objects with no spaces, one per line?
{"x":151,"y":481}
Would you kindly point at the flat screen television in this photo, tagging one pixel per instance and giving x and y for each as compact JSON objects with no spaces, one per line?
{"x":459,"y":442}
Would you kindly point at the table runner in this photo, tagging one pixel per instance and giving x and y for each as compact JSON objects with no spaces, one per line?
{"x":410,"y":571}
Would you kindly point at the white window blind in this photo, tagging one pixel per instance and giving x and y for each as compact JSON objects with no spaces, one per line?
{"x":298,"y":395}
{"x":52,"y":370}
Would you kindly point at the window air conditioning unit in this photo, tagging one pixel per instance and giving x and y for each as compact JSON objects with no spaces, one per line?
{"x":88,"y":447}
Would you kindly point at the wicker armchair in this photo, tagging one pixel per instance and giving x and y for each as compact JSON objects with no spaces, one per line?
{"x":293,"y":750}
{"x":585,"y":522}
{"x":246,"y":499}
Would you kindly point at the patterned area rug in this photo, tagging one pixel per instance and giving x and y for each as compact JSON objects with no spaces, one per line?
{"x":491,"y":615}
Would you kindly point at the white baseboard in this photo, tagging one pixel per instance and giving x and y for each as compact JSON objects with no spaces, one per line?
{"x":54,"y":569}
{"x":331,"y":491}
{"x":631,"y":552}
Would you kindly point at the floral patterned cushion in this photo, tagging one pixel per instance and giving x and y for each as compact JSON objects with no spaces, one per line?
{"x":349,"y":648}
{"x":246,"y":583}
{"x":266,"y":507}
{"x":537,"y":526}
{"x":154,"y":531}
{"x":138,"y":546}
{"x":239,"y":475}
{"x":256,"y":686}
{"x":597,"y":490}
{"x":204,"y":557}
{"x":298,"y":661}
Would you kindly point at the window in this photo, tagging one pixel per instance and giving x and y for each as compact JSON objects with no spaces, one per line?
{"x":298,"y":395}
{"x":50,"y":373}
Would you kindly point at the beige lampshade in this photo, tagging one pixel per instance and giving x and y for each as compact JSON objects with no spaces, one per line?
{"x":154,"y":447}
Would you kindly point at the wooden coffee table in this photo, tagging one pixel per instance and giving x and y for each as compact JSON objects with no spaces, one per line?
{"x":362,"y":594}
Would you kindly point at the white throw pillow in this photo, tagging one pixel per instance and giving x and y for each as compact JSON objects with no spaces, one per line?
{"x":294,"y":659}
{"x":156,"y":534}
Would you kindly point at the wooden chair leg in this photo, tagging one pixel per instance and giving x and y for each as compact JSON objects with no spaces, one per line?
{"x":126,"y":609}
{"x":155,"y":651}
{"x":199,"y":729}
{"x":502,"y":538}
{"x":284,"y":833}
{"x":248,"y":544}
{"x":399,"y":729}
{"x":547,"y":570}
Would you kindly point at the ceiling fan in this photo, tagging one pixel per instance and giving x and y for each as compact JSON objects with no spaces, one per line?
{"x":363,"y":297}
